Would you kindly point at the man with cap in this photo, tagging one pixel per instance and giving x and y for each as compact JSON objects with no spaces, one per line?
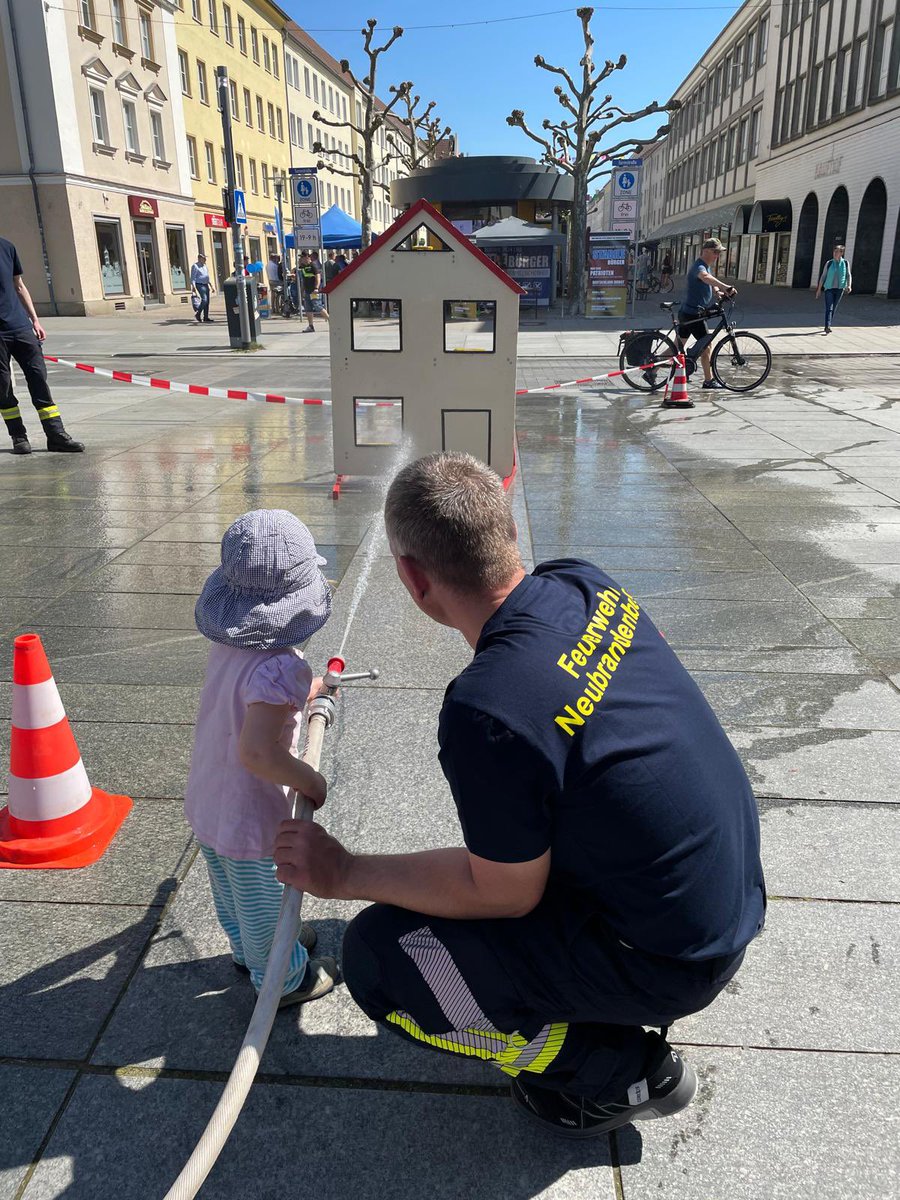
{"x":202,"y":285}
{"x":21,"y":334}
{"x":702,"y":288}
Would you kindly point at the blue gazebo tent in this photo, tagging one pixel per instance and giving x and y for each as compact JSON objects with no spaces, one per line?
{"x":340,"y":231}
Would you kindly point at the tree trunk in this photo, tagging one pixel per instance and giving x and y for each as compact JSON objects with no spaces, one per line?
{"x":578,"y":244}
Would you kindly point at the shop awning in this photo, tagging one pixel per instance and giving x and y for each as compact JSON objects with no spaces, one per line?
{"x":339,"y":230}
{"x":513,"y":231}
{"x":770,"y":216}
{"x":740,"y":219}
{"x":695,"y":222}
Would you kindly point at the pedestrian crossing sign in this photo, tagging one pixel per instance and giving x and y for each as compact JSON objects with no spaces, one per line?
{"x":240,"y":208}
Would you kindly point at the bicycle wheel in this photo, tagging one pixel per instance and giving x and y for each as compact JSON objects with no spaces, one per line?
{"x":666,"y":284}
{"x":741,"y":361}
{"x":655,"y":283}
{"x":662,"y":347}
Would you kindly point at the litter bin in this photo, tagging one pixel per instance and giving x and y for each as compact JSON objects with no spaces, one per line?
{"x":232,"y":310}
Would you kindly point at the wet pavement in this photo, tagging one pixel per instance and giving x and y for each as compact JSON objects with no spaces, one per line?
{"x":763,"y":536}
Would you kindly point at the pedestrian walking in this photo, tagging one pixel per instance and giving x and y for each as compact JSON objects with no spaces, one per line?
{"x":268,"y":595}
{"x":331,"y":267}
{"x":835,"y":279}
{"x":310,"y":278}
{"x":702,"y":287}
{"x":201,"y":285}
{"x":21,"y":334}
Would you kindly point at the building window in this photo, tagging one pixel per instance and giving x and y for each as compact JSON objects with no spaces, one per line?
{"x":762,"y":42}
{"x":330,"y":99}
{"x":195,"y":9}
{"x":754,"y":132}
{"x":292,"y":125}
{"x":254,"y":43}
{"x":129,"y":114}
{"x":239,"y":170}
{"x":242,"y":35}
{"x":306,"y":80}
{"x":470,"y":326}
{"x":267,"y":62}
{"x":311,"y":141}
{"x":112,"y":261}
{"x":226,"y":21}
{"x":98,"y":118}
{"x":271,"y":109}
{"x":224,"y":166}
{"x":185,"y":72}
{"x":248,"y":108}
{"x":120,"y":33}
{"x":192,"y":157}
{"x":316,"y":88}
{"x":201,"y":82}
{"x":751,"y":52}
{"x":156,"y":129}
{"x":178,"y":267}
{"x":881,"y":59}
{"x":260,"y":123}
{"x":232,"y":91}
{"x":265,"y":178}
{"x":254,"y":181}
{"x":328,"y":194}
{"x":213,"y":17}
{"x":743,"y":131}
{"x":86,"y":9}
{"x":738,"y":73}
{"x":857,"y":72}
{"x":280,"y":122}
{"x":344,"y":106}
{"x":299,"y":133}
{"x":210,"y":162}
{"x":275,"y":61}
{"x":146,"y":35}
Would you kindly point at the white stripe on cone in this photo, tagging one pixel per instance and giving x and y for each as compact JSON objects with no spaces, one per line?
{"x":47,"y":799}
{"x":36,"y":705}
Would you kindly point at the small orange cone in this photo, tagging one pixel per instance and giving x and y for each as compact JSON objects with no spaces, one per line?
{"x":54,"y":818}
{"x":678,"y":397}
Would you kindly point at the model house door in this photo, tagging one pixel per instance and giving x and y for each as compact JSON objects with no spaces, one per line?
{"x":468,"y":430}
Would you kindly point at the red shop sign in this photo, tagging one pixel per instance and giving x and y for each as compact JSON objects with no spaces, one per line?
{"x":142,"y":206}
{"x":214,"y":221}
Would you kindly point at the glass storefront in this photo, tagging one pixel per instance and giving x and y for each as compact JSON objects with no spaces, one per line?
{"x":178,"y":266}
{"x":112,"y":262}
{"x":782,"y":252}
{"x":468,"y":218}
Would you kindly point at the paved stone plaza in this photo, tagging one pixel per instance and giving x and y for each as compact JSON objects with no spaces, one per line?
{"x":763,"y":536}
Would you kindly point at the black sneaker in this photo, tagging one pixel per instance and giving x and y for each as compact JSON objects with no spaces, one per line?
{"x":308,"y":938}
{"x":21,"y":445}
{"x":665,"y":1090}
{"x":710,"y":385}
{"x":64,"y":444}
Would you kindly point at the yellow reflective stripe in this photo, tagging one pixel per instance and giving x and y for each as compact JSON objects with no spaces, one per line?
{"x":10,"y":414}
{"x":509,"y":1051}
{"x":50,"y":411}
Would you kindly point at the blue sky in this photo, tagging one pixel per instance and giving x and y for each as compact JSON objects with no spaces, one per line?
{"x":479,"y":72}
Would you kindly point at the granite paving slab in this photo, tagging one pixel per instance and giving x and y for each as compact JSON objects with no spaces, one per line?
{"x":62,"y":968}
{"x":756,"y":1131}
{"x":707,"y":585}
{"x":128,"y":656}
{"x":129,"y":1138}
{"x":117,"y":702}
{"x":807,"y":762}
{"x":29,"y":1099}
{"x":826,"y":701}
{"x":100,"y":611}
{"x":737,"y":556}
{"x":746,"y":623}
{"x":782,"y":660}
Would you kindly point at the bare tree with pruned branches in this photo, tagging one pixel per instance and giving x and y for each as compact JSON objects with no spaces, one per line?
{"x":579,"y":144}
{"x":368,"y":165}
{"x":423,"y":131}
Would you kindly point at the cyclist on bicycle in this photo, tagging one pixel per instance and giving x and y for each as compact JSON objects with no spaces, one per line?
{"x":702,"y":289}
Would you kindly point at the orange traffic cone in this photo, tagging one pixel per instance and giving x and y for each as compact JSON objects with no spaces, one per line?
{"x":54,"y":817}
{"x":678,"y":397}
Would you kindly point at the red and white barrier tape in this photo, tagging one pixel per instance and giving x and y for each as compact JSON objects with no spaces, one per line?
{"x":555,"y":387}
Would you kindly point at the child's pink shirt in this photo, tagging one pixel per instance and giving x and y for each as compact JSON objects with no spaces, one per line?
{"x":231,"y":810}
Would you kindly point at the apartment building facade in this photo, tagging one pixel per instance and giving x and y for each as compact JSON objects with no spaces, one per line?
{"x":95,"y":181}
{"x":788,"y":141}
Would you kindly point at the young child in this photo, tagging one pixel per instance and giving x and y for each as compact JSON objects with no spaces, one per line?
{"x":267,"y":595}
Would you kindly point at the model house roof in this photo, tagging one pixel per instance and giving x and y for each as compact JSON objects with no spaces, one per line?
{"x":409,"y":221}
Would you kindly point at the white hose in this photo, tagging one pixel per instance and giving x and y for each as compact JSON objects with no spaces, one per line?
{"x":221,"y":1123}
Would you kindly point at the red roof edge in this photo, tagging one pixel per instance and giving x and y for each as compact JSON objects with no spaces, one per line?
{"x":462,"y":241}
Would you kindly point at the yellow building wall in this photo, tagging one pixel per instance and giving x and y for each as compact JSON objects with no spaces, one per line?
{"x":254,"y":149}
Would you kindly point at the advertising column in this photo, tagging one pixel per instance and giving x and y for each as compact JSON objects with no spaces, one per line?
{"x":607,"y":275}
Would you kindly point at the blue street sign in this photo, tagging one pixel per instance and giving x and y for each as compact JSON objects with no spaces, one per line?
{"x":304,"y":187}
{"x":627,"y":162}
{"x":625,"y":181}
{"x":240,"y":208}
{"x":303,"y":170}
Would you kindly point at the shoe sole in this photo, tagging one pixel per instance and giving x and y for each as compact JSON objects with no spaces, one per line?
{"x":667,"y":1106}
{"x":325,"y":983}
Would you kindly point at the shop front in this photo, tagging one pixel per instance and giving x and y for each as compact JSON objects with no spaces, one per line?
{"x":218,"y":233}
{"x":525,"y":251}
{"x":771,"y":222}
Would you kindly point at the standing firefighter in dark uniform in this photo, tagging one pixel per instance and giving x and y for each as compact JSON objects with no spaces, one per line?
{"x":610,"y":878}
{"x":21,"y":334}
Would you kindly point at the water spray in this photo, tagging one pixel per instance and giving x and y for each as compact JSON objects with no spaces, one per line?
{"x":320,"y":718}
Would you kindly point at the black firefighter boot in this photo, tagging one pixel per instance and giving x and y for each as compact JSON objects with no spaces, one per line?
{"x":57,"y":438}
{"x":17,"y":431}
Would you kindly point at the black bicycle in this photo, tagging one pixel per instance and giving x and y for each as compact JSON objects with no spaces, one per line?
{"x":740,"y":361}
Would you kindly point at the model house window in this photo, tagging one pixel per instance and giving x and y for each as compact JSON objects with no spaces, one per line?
{"x":192,"y":157}
{"x":146,"y":35}
{"x":254,"y":181}
{"x":156,"y":129}
{"x":178,"y":268}
{"x":213,"y":17}
{"x":210,"y":162}
{"x":202,"y":91}
{"x":226,"y":21}
{"x":306,"y":80}
{"x":242,"y":35}
{"x":129,"y":114}
{"x":120,"y":34}
{"x":98,"y":117}
{"x":248,"y":108}
{"x":109,"y":250}
{"x":376,"y":325}
{"x":260,"y":123}
{"x":470,"y":326}
{"x":378,"y":420}
{"x":254,"y":44}
{"x":422,"y":239}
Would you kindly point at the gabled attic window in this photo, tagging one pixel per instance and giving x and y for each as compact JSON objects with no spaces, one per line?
{"x":423,"y":238}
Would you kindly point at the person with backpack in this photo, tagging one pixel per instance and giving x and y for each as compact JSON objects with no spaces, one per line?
{"x":834,"y":281}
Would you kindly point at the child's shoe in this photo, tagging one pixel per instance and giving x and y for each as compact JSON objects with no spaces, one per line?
{"x":321,"y":976}
{"x":307,"y":939}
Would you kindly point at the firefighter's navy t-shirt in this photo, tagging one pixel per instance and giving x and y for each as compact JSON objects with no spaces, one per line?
{"x":575,"y":729}
{"x":13,"y":317}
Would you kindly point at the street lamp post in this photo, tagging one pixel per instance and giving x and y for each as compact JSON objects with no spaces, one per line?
{"x":231,"y":184}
